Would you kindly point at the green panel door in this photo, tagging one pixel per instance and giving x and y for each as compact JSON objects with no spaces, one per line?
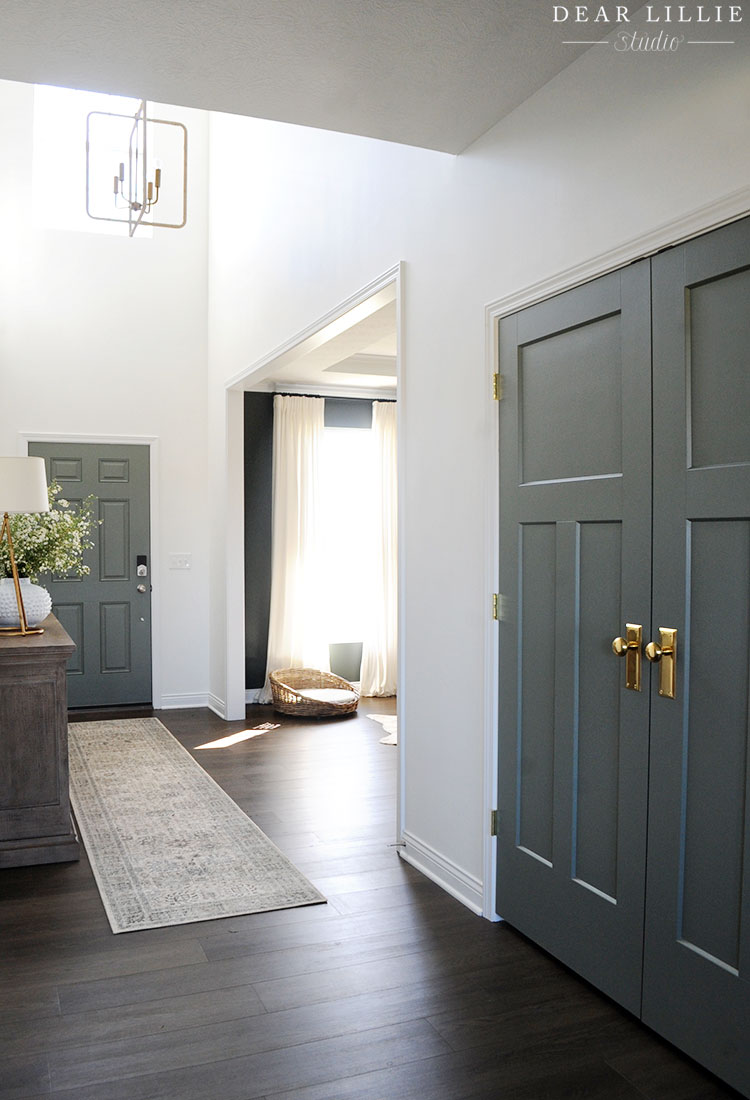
{"x":624,"y":820}
{"x":105,"y":613}
{"x":697,"y":958}
{"x":575,"y":561}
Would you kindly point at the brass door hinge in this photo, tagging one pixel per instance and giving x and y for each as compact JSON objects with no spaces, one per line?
{"x":499,"y":607}
{"x":497,"y":387}
{"x":493,"y":822}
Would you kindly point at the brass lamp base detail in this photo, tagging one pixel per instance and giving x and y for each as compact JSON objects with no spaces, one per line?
{"x":24,"y":628}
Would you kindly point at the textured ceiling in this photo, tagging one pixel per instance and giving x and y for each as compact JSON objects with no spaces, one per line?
{"x":431,"y":73}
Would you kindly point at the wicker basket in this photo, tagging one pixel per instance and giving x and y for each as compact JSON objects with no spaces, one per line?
{"x":288,"y":686}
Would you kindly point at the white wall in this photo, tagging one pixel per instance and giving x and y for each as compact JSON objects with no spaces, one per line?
{"x":615,"y":146}
{"x":102,"y":335}
{"x":106,"y":336}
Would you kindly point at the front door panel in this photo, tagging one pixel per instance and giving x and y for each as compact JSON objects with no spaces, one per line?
{"x":104,"y":613}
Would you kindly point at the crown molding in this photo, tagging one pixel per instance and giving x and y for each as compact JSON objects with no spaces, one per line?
{"x":721,"y":211}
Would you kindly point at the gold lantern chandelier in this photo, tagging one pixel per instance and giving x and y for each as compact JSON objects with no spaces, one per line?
{"x":122,"y":148}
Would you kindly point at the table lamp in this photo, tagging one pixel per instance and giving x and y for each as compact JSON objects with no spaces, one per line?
{"x":23,"y":488}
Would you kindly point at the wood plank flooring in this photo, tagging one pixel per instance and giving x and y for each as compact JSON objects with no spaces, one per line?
{"x":390,"y":990}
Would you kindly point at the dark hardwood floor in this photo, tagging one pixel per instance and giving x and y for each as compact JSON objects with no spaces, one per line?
{"x":390,"y":990}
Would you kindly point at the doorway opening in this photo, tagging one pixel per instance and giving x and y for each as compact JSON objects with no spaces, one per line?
{"x":354,"y":353}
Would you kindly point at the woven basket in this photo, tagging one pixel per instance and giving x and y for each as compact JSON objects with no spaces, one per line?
{"x":288,"y":685}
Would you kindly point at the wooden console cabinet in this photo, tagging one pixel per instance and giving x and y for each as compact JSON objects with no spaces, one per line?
{"x":35,"y":824}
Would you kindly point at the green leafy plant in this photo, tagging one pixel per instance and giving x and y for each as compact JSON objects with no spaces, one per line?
{"x":51,"y":542}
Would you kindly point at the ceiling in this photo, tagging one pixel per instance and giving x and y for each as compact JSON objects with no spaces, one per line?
{"x":355,"y":355}
{"x":430,"y":73}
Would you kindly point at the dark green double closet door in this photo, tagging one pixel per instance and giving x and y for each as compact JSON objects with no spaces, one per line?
{"x":624,"y":844}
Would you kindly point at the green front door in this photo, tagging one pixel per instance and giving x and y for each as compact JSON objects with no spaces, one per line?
{"x":624,"y":824}
{"x":108,"y":612}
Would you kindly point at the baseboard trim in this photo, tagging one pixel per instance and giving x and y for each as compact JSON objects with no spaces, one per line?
{"x":252,"y":695}
{"x":453,"y":879}
{"x":217,"y":705}
{"x":177,"y":702}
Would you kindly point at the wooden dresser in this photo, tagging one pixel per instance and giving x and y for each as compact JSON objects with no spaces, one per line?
{"x":35,"y":823}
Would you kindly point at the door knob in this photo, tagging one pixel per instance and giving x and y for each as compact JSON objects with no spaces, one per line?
{"x":140,"y":588}
{"x":665,"y":655}
{"x":629,"y":647}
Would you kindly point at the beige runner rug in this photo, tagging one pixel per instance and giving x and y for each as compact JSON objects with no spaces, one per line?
{"x":166,"y":844}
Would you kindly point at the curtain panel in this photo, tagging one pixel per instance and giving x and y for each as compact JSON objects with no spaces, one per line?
{"x":296,"y":636}
{"x":380,"y":649}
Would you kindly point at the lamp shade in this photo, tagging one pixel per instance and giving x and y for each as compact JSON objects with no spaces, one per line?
{"x":23,"y":485}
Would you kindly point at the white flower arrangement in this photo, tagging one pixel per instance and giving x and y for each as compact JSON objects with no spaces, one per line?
{"x":51,"y":542}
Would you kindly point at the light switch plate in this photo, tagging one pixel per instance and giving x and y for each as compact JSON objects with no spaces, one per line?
{"x":180,"y":561}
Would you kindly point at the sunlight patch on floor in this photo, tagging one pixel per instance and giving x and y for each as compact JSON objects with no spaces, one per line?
{"x":243,"y":735}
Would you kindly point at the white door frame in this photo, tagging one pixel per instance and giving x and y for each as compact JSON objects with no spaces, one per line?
{"x":152,"y":442}
{"x":251,"y":378}
{"x":721,"y":211}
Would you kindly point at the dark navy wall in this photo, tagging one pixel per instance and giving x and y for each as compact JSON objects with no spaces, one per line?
{"x":347,"y":412}
{"x":258,"y":487}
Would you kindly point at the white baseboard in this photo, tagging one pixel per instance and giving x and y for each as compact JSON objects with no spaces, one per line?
{"x":217,"y":705}
{"x":452,"y":878}
{"x":251,"y":694}
{"x":175,"y":702}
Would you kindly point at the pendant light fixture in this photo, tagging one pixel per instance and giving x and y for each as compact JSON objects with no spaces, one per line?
{"x":122,"y":149}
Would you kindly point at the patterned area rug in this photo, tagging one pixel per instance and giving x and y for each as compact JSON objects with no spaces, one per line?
{"x":166,"y":844}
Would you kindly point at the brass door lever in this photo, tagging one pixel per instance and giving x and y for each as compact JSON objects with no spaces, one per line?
{"x":630,"y":648}
{"x":665,"y":655}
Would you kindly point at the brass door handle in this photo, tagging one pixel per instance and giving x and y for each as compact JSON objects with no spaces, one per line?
{"x":665,"y":655}
{"x":630,"y":648}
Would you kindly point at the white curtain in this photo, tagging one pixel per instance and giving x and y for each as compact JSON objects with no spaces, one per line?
{"x":296,"y":636}
{"x":380,"y":649}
